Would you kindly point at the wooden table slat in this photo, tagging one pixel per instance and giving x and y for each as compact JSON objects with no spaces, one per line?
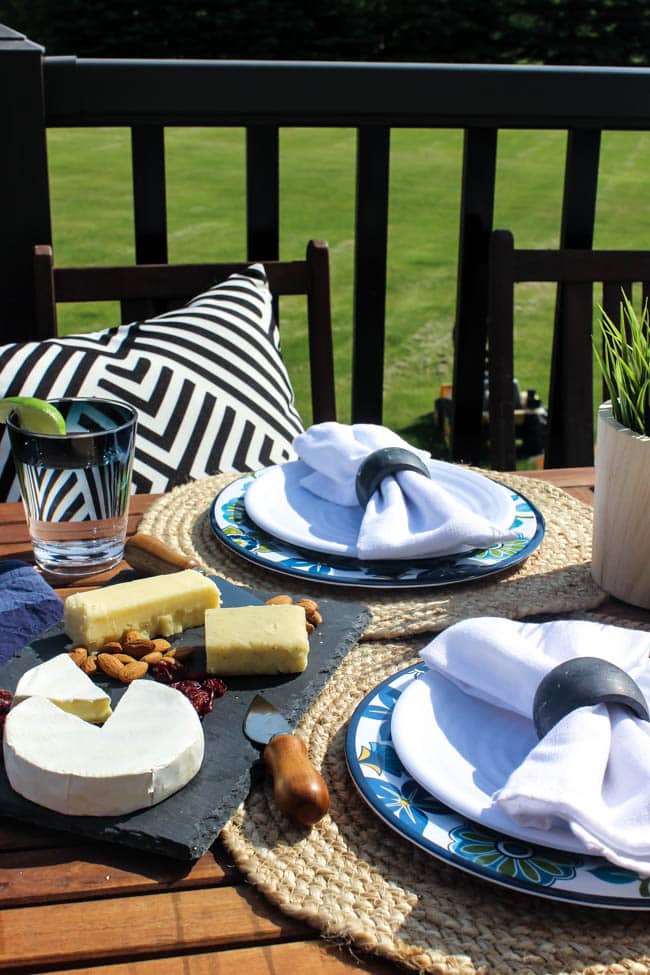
{"x":294,"y":958}
{"x":92,"y":931}
{"x":60,"y":874}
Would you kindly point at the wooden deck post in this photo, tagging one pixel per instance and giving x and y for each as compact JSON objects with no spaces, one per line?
{"x":24,"y":180}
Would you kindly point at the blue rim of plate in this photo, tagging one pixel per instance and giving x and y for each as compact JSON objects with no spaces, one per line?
{"x":232,"y":526}
{"x":419,"y":817}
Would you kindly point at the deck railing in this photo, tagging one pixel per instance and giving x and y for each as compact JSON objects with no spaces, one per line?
{"x":37,"y":92}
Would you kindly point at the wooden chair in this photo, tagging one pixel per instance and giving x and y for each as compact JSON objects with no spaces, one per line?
{"x":144,"y":290}
{"x":570,"y":431}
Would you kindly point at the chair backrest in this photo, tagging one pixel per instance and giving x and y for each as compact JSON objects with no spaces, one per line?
{"x":144,"y":290}
{"x":570,"y":430}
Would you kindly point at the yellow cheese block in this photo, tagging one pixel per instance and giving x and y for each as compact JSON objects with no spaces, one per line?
{"x":158,"y":606}
{"x":256,"y":640}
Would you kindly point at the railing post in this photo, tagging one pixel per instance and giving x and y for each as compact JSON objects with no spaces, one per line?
{"x":566,"y":438}
{"x":470,"y":333}
{"x":23,"y":174}
{"x":262,"y":193}
{"x":149,"y":199}
{"x":371,"y":242}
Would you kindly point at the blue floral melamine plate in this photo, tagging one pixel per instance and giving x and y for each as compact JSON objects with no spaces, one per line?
{"x":234,"y":528}
{"x":419,"y":817}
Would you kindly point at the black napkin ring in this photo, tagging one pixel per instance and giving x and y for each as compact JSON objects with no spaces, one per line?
{"x":580,"y":682}
{"x":379,"y":464}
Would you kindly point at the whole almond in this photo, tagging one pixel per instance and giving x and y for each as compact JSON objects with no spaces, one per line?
{"x":112,"y":647}
{"x":133,"y":671}
{"x":162,"y":646}
{"x":89,"y":666}
{"x":78,"y":655}
{"x":278,"y":600}
{"x":124,"y":658}
{"x":109,"y":663}
{"x":132,"y":636}
{"x":152,"y":658}
{"x":180,"y":653}
{"x":310,"y":626}
{"x":138,"y":648}
{"x":314,"y":618}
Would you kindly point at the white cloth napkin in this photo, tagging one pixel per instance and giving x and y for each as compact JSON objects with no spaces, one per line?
{"x":592,"y":770}
{"x":409,"y":515}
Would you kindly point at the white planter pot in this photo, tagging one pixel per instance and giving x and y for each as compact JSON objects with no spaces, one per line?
{"x":621,"y":540}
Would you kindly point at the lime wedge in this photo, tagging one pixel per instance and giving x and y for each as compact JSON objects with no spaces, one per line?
{"x":35,"y":415}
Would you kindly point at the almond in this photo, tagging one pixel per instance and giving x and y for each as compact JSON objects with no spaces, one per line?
{"x":124,"y":658}
{"x":310,"y":626}
{"x":78,"y":655}
{"x":152,"y":658}
{"x":89,"y":666}
{"x":138,"y":648}
{"x":160,"y":645}
{"x":133,"y":671}
{"x":132,"y":636}
{"x":278,"y":600}
{"x":112,"y":647}
{"x":111,"y":666}
{"x":312,"y":615}
{"x":180,"y":653}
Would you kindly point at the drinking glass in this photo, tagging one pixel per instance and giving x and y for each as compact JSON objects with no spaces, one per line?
{"x":76,"y":486}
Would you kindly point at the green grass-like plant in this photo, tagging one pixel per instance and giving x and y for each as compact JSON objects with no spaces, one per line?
{"x":92,"y":218}
{"x":624,"y":361}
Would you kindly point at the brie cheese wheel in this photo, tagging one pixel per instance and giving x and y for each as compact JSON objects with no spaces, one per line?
{"x":157,"y":606}
{"x":63,"y":683}
{"x":150,"y":747}
{"x":270,"y":639}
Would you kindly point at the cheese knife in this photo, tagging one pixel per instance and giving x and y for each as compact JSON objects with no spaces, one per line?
{"x":148,"y":554}
{"x":298,"y":789}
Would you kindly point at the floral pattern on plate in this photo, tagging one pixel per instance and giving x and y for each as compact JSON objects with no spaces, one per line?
{"x":234,"y":528}
{"x":422,"y":819}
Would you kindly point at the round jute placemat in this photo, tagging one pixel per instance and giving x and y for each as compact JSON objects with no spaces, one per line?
{"x":555,"y":579}
{"x":360,"y":884}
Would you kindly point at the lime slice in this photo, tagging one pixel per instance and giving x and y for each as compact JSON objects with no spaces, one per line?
{"x":35,"y":415}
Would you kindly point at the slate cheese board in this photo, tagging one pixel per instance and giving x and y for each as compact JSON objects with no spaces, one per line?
{"x":185,"y":825}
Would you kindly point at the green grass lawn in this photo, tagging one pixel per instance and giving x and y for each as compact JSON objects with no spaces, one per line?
{"x":92,"y":223}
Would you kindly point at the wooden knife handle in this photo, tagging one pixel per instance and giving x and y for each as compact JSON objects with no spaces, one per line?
{"x":298,"y":789}
{"x":148,"y":554}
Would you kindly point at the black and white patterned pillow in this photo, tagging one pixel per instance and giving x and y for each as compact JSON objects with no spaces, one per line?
{"x":208,"y":381}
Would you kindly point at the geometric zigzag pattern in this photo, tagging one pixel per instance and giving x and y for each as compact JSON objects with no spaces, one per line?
{"x":207,"y":380}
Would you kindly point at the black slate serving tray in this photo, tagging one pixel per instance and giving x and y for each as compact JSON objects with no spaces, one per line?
{"x":185,"y":825}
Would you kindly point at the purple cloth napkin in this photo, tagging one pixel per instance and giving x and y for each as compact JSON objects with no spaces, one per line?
{"x":28,"y":605}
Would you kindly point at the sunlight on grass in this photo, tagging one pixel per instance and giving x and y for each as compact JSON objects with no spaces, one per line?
{"x":93,"y":223}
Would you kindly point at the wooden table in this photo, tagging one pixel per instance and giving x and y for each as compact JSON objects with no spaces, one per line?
{"x":76,"y":906}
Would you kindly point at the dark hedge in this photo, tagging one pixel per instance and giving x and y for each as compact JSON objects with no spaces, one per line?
{"x":605,"y":32}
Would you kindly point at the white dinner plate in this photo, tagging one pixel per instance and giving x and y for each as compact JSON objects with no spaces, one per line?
{"x":241,"y":535}
{"x":278,"y":504}
{"x":424,"y":820}
{"x":462,"y":749}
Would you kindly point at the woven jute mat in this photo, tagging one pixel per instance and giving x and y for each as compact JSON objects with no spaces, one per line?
{"x":555,"y":579}
{"x":362,"y":885}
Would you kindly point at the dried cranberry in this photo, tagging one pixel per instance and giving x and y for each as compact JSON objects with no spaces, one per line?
{"x":6,"y":698}
{"x":167,"y":671}
{"x":215,"y":685}
{"x":201,"y":694}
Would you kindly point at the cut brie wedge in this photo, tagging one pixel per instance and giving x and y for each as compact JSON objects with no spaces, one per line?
{"x":150,"y":747}
{"x":61,"y":681}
